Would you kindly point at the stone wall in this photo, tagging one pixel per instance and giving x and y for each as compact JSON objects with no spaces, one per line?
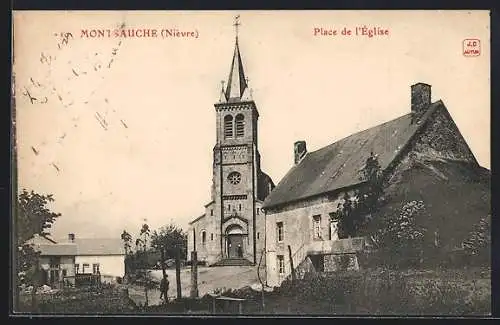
{"x":340,"y":262}
{"x":440,"y":138}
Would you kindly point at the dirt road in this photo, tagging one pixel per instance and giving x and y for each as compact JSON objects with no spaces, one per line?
{"x":209,"y":279}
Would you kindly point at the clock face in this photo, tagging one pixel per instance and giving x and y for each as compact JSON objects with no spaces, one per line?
{"x":234,"y":178}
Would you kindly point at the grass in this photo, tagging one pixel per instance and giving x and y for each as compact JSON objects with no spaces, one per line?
{"x":80,"y":301}
{"x":371,"y":292}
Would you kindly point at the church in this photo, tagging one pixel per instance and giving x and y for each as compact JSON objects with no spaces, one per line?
{"x":232,"y":229}
{"x":293,"y":226}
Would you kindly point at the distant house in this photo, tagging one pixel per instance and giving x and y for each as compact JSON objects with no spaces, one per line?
{"x":104,"y":256}
{"x":62,"y":260}
{"x":57,"y":260}
{"x":422,"y":155}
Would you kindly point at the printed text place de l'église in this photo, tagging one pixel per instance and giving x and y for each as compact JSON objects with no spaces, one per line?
{"x":357,"y":31}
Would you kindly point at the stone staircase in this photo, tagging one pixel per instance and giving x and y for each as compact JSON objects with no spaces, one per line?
{"x":233,"y":262}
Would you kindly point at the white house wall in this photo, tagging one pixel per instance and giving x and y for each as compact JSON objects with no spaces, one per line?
{"x":109,"y":265}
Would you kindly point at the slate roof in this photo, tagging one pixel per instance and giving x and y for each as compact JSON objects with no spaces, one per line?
{"x":237,"y":82}
{"x":63,"y":249}
{"x":202,"y":216}
{"x":99,"y":246}
{"x":40,"y":239}
{"x":338,"y":165}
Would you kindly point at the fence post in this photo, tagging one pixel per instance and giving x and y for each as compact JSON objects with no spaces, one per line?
{"x":291,"y":263}
{"x":194,"y":274}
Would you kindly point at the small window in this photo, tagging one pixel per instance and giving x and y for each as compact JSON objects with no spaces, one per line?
{"x":211,"y":212}
{"x":77,"y":268}
{"x":229,"y":207}
{"x":65,"y":272}
{"x":95,"y":268}
{"x":317,"y":227}
{"x":211,"y":236}
{"x":279,"y":228}
{"x":234,"y":178}
{"x":239,"y":207}
{"x":84,"y":266}
{"x":258,"y":211}
{"x":281,"y":264}
{"x":258,"y":235}
{"x":228,"y":126}
{"x":203,"y":237}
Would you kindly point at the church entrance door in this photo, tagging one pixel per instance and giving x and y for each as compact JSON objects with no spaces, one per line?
{"x":234,"y":241}
{"x":235,"y":246}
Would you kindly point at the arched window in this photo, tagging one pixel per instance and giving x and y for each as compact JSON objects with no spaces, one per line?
{"x":228,"y":126}
{"x":240,"y":125}
{"x":203,"y":237}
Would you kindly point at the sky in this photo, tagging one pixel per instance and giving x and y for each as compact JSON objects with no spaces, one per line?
{"x":122,"y":129}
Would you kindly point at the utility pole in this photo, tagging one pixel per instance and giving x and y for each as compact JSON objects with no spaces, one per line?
{"x":291,"y":263}
{"x":260,"y":280}
{"x":194,"y":274}
{"x":178,"y":271}
{"x":163,"y":271}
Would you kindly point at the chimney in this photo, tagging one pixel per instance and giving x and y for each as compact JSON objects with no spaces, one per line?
{"x":420,"y":97}
{"x":71,"y":238}
{"x":300,"y":150}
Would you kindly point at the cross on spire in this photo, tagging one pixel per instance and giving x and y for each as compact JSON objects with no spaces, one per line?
{"x":236,"y":24}
{"x":222,"y":82}
{"x":237,"y":81}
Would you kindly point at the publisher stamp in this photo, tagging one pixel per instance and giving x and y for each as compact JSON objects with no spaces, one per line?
{"x":471,"y":47}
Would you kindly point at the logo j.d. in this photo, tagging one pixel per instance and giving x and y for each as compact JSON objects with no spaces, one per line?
{"x":471,"y":47}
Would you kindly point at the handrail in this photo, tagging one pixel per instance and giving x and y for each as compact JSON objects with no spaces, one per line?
{"x":297,"y":257}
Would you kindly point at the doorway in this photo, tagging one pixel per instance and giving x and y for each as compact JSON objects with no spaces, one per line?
{"x":54,"y":277}
{"x":235,"y":246}
{"x":234,"y":241}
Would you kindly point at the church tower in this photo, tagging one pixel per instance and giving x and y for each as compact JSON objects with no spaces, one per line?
{"x":239,"y":186}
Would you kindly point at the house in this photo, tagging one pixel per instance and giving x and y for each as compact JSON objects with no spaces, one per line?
{"x":422,"y":156}
{"x":57,"y":260}
{"x":64,"y":259}
{"x":104,"y":256}
{"x":231,"y":231}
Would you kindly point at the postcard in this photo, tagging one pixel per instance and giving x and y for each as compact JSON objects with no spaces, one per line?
{"x":251,"y":163}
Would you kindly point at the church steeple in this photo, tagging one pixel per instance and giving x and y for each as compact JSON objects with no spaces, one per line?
{"x":237,"y":82}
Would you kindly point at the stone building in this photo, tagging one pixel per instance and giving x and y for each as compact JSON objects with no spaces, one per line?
{"x":231,"y":231}
{"x":422,"y":155}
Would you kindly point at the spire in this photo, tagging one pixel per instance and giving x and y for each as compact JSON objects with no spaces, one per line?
{"x":237,"y":82}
